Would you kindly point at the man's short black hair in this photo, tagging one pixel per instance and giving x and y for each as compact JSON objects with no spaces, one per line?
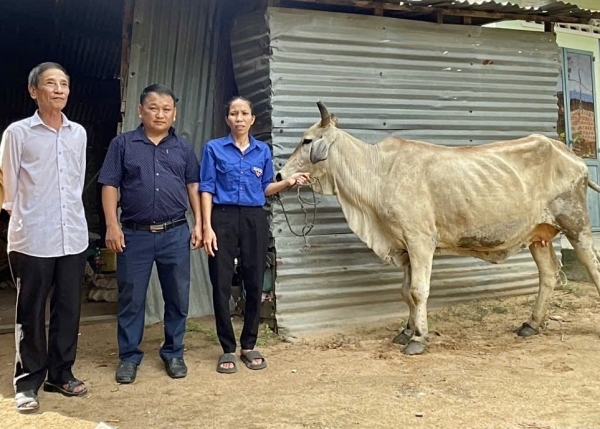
{"x":159,"y":89}
{"x":37,"y":71}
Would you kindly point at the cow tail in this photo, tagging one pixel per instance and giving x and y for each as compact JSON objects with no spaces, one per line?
{"x":593,"y":185}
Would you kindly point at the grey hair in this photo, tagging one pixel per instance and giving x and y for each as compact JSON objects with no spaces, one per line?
{"x":37,"y":71}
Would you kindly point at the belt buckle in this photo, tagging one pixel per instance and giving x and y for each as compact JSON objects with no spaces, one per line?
{"x":157,"y":228}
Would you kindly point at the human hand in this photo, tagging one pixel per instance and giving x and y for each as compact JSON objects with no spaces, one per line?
{"x":298,"y":179}
{"x":115,"y":240}
{"x":196,"y":237}
{"x":210,"y":241}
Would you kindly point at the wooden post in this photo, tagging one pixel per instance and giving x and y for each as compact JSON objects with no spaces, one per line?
{"x":126,"y":32}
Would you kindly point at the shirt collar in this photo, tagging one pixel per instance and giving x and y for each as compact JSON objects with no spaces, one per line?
{"x":36,"y":120}
{"x":253,"y":142}
{"x":139,"y":134}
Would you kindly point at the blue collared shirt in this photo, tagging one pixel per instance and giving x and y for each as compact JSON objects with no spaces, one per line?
{"x":233,"y":177}
{"x":152,"y":178}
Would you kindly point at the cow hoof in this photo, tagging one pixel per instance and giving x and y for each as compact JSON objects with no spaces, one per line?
{"x":414,"y":348}
{"x":402,"y":338}
{"x":526,"y":331}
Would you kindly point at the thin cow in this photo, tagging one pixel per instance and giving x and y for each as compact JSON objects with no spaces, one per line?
{"x":410,"y":200}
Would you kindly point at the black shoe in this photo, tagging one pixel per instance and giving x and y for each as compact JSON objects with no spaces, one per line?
{"x":176,"y":367}
{"x":126,"y":372}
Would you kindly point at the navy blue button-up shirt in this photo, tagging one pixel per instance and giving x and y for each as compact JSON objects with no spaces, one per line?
{"x":152,"y":178}
{"x":234,"y":177}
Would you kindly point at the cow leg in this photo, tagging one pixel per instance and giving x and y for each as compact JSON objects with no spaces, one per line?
{"x":584,"y":248}
{"x":549,"y":272}
{"x":420,"y":264}
{"x":403,"y":338}
{"x":577,"y":229}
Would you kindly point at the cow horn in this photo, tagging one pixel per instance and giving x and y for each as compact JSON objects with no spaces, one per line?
{"x":325,"y":115}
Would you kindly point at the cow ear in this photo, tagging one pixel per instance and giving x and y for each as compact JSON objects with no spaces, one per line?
{"x":334,"y":120}
{"x":319,"y":150}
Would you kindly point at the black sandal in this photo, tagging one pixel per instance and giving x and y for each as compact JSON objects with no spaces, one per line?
{"x":69,"y":391}
{"x":226,"y":358}
{"x":247,"y":358}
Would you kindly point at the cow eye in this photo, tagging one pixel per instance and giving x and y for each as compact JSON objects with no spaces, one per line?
{"x":307,"y":141}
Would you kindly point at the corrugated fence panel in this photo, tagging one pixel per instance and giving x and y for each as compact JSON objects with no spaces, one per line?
{"x":186,"y":63}
{"x":250,"y":53}
{"x":444,"y":84}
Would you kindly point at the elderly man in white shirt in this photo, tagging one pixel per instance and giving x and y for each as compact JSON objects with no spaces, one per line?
{"x":42,"y":159}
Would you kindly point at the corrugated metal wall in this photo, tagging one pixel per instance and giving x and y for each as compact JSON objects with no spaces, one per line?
{"x":444,"y":84}
{"x":174,"y":43}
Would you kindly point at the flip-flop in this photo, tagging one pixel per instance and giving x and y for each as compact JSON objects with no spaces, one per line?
{"x":250,"y":356}
{"x":24,"y":401}
{"x":226,"y":358}
{"x":69,"y":391}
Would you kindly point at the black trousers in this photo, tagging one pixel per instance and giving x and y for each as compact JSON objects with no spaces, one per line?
{"x":35,"y":278}
{"x":246,"y":228}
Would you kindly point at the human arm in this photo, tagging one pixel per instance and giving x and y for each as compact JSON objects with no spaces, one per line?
{"x":282,"y":185}
{"x":10,"y":162}
{"x":82,"y":157}
{"x":115,"y":240}
{"x":209,"y":237}
{"x":192,"y":175}
{"x":207,"y":188}
{"x":271,"y":188}
{"x":110,"y":176}
{"x":194,"y":197}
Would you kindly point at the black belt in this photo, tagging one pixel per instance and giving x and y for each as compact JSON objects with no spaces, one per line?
{"x":157,"y":227}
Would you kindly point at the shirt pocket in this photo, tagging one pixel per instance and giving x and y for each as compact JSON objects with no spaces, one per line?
{"x":255,"y":175}
{"x":173,"y":160}
{"x":73,"y":158}
{"x":226,"y":175}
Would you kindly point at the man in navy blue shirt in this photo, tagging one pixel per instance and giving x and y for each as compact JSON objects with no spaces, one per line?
{"x":157,"y":173}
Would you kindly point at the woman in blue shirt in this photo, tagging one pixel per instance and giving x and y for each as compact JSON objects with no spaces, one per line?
{"x":235,"y":179}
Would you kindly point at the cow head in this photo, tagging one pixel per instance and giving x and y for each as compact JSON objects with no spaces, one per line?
{"x":312,"y":154}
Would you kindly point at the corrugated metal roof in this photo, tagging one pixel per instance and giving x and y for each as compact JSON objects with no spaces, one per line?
{"x":84,"y":34}
{"x":481,"y":11}
{"x":550,"y":8}
{"x":383,"y":76}
{"x":175,"y":44}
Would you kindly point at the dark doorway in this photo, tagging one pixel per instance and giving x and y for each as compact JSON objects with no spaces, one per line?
{"x":84,"y":36}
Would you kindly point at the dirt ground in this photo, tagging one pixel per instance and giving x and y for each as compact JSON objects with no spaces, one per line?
{"x":475,"y":374}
